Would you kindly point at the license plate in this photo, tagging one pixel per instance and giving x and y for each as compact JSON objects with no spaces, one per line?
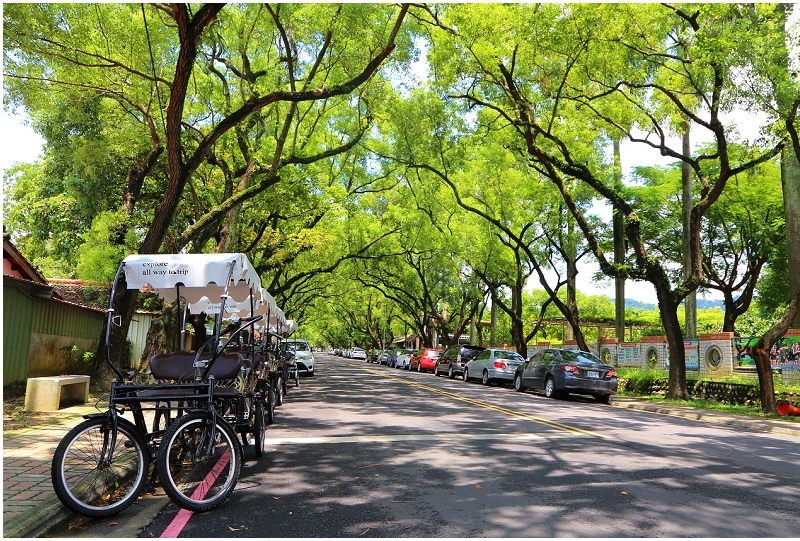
{"x":592,"y":374}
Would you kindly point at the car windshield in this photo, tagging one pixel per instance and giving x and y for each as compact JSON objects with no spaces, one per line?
{"x":299,"y":346}
{"x":580,"y":357}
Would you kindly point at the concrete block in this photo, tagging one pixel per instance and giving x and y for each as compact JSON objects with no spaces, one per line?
{"x":50,"y":392}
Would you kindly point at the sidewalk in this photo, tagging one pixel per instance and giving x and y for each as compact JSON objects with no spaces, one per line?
{"x":30,"y":506}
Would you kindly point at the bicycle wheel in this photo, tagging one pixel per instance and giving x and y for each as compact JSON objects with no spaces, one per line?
{"x":260,"y":427}
{"x":199,"y":464}
{"x":270,"y":414}
{"x":83,"y":480}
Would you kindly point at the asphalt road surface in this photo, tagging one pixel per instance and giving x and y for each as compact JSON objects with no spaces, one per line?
{"x":362,"y":450}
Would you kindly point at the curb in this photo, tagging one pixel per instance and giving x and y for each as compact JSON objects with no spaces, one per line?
{"x":741,"y":422}
{"x":36,"y":524}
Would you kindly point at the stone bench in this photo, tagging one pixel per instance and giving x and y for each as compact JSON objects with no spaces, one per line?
{"x":48,"y":393}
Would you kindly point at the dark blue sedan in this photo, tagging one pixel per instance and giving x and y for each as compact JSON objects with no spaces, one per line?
{"x":559,"y":372}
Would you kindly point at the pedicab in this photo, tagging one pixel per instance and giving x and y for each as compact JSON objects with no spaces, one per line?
{"x":100,"y":467}
{"x":256,"y":390}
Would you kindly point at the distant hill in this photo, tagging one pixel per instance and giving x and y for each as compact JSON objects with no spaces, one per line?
{"x":702,"y":304}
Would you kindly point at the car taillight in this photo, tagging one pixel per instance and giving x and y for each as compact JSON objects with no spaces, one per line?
{"x":611,"y":373}
{"x":571,"y":369}
{"x":499,"y":364}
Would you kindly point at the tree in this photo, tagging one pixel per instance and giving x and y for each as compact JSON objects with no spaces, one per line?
{"x":111,"y":51}
{"x":569,"y":69}
{"x":739,"y":236}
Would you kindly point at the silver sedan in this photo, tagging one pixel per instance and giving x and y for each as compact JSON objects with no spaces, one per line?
{"x":493,"y":365}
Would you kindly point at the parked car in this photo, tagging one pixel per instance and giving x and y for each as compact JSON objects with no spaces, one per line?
{"x":453,"y":359}
{"x":402,"y":358}
{"x":493,"y":366}
{"x":377,"y":356}
{"x":303,"y":355}
{"x":392,"y":360}
{"x":385,"y":357}
{"x":559,"y":372}
{"x":425,"y":360}
{"x":358,"y":353}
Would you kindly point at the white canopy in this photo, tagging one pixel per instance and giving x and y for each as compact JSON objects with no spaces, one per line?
{"x":198,"y":275}
{"x":263,"y":304}
{"x":289,"y":327}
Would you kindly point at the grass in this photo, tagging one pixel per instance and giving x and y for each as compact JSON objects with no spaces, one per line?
{"x":704,"y":404}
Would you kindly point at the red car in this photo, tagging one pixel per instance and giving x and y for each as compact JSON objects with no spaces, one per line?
{"x":425,"y":361}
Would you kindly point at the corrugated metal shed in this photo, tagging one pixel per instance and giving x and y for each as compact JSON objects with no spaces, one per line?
{"x":36,"y":326}
{"x":18,"y":307}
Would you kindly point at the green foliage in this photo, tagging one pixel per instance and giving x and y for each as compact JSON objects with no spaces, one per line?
{"x":99,"y":254}
{"x":773,"y":293}
{"x":397,"y":206}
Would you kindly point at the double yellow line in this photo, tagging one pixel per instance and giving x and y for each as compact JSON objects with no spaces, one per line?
{"x":486,"y":405}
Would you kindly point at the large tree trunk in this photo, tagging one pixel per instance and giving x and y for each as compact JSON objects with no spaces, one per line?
{"x":618,"y":222}
{"x":517,"y":325}
{"x":690,"y":303}
{"x":790,"y":179}
{"x":761,"y":353}
{"x":729,"y":318}
{"x":672,"y":330}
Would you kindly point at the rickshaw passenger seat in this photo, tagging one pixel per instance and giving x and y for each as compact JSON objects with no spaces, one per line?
{"x":226,"y":366}
{"x":175,"y":366}
{"x":179,"y":365}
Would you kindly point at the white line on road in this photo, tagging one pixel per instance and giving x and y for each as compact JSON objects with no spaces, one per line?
{"x":419,"y":437}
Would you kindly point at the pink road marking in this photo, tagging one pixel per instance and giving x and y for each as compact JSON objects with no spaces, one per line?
{"x":182,"y":518}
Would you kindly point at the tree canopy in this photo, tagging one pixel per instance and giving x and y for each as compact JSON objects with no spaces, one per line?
{"x":368,"y":198}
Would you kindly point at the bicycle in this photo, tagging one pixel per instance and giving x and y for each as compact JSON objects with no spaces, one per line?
{"x":101,"y":466}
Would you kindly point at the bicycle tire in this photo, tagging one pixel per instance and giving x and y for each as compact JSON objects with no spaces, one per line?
{"x":260,"y":428}
{"x":270,"y":405}
{"x":95,"y":491}
{"x":192,"y":479}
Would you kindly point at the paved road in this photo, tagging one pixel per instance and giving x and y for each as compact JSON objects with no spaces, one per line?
{"x":367,"y":451}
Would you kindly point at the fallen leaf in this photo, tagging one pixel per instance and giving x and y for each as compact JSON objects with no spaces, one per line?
{"x":231,"y":528}
{"x":624,"y":493}
{"x":365,"y":531}
{"x":113,"y":523}
{"x":276,"y":497}
{"x":78,"y":527}
{"x":478,"y":486}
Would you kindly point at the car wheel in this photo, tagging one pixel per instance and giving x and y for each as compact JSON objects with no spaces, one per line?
{"x":419,"y":367}
{"x":550,"y":388}
{"x":485,"y":378}
{"x":451,"y":373}
{"x":518,"y":383}
{"x":466,"y":374}
{"x":603,"y":398}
